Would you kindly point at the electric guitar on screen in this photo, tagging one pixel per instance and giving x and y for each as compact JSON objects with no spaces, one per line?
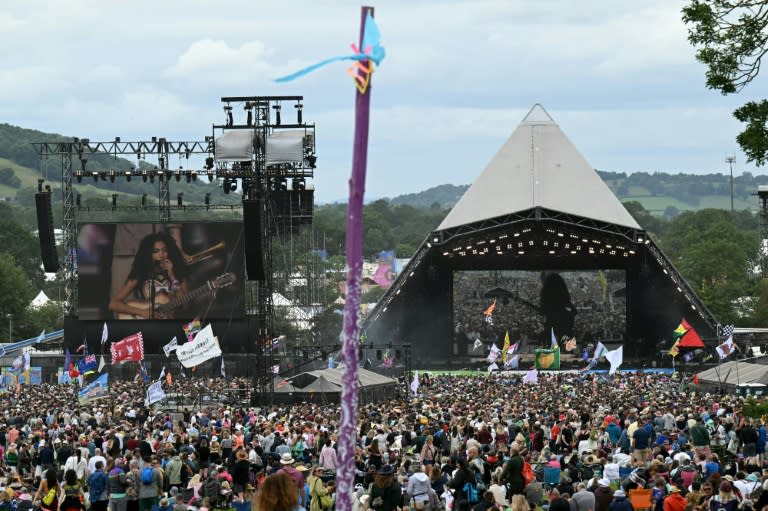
{"x":164,"y":305}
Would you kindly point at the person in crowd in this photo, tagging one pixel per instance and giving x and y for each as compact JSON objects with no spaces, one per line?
{"x":278,"y":493}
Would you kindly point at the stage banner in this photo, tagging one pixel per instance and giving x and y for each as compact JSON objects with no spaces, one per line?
{"x":130,"y":349}
{"x":155,"y":393}
{"x":547,"y":358}
{"x":97,"y":389}
{"x":204,"y":347}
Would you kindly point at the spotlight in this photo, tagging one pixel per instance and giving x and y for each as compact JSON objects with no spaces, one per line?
{"x":233,"y":185}
{"x":111,"y":176}
{"x":192,"y":175}
{"x":225,"y":185}
{"x":277,"y":114}
{"x":283,"y":185}
{"x":299,"y":108}
{"x":249,"y":117}
{"x":152,"y":176}
{"x":209,"y":163}
{"x":95,"y":176}
{"x":143,"y":200}
{"x":178,"y":176}
{"x":114,"y":201}
{"x":79,"y":176}
{"x":128,"y":175}
{"x":179,"y":200}
{"x":144,"y":175}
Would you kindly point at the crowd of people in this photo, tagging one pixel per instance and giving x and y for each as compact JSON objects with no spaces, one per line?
{"x":570,"y":442}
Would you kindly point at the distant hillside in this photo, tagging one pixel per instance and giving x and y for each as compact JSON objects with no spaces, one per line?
{"x":660,"y":193}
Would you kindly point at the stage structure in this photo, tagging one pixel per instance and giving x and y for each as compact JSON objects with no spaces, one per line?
{"x":537,"y":244}
{"x":255,"y":150}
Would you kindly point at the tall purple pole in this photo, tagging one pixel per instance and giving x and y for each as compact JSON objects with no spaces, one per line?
{"x":345,"y":476}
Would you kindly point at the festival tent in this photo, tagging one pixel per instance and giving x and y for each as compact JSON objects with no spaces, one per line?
{"x":325,"y":385}
{"x":732,"y":373}
{"x":39,"y":300}
{"x":538,"y":206}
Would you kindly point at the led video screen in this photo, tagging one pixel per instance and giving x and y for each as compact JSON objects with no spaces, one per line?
{"x":530,"y":305}
{"x":159,"y":271}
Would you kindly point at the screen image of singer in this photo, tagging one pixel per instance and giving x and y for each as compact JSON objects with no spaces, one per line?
{"x":144,"y":271}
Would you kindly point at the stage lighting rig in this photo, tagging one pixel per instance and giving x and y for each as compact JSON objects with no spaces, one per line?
{"x":228,"y":113}
{"x":128,"y":175}
{"x":180,"y":199}
{"x":299,"y":110}
{"x":277,"y":114}
{"x":114,"y":201}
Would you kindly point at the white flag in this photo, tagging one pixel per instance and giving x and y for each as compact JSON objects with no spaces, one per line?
{"x":615,"y":358}
{"x":493,"y":367}
{"x":276,"y":369}
{"x":600,"y":350}
{"x":102,"y":364}
{"x":162,"y":374}
{"x":478,"y":344}
{"x":104,"y":333}
{"x":495,"y":349}
{"x":531,"y":376}
{"x":155,"y":393}
{"x":512,"y":362}
{"x":415,"y":383}
{"x":40,"y":338}
{"x":492,"y":356}
{"x":26,"y":362}
{"x":168,"y":348}
{"x":223,"y":372}
{"x":726,"y":348}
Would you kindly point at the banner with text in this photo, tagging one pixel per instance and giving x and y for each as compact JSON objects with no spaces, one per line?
{"x":204,"y":347}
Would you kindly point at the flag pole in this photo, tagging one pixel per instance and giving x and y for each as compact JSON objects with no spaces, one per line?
{"x":350,"y":383}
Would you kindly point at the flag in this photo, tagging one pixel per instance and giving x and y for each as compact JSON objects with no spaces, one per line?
{"x":505,"y":347}
{"x":191,"y":328}
{"x":87,"y":365}
{"x":143,"y":373}
{"x":547,"y":358}
{"x":492,"y":357}
{"x":223,"y":372}
{"x":162,"y":373}
{"x":26,"y":363}
{"x":97,"y":389}
{"x":276,"y":369}
{"x":591,"y":365}
{"x":615,"y":358}
{"x":513,"y":362}
{"x":18,"y":364}
{"x":388,"y":360}
{"x":104,"y":333}
{"x":67,"y":359}
{"x":675,"y":349}
{"x":82,"y":347}
{"x":681,"y":329}
{"x":585,"y":354}
{"x":691,"y":340}
{"x":171,"y":346}
{"x":553,"y":340}
{"x":695,"y":379}
{"x":493,"y":367}
{"x":489,"y":312}
{"x":41,"y":337}
{"x":102,"y":364}
{"x":512,"y":349}
{"x":155,"y":393}
{"x":478,"y":344}
{"x":330,"y":362}
{"x":726,"y":348}
{"x":727,"y":331}
{"x":129,"y":349}
{"x":415,"y":383}
{"x":531,"y":376}
{"x":570,"y":344}
{"x":600,"y":350}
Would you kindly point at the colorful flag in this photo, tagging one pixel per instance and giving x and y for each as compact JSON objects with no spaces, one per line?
{"x":130,"y":349}
{"x":681,"y":329}
{"x":691,"y":340}
{"x":570,"y":344}
{"x":726,"y":348}
{"x":388,"y":361}
{"x":492,"y":357}
{"x":505,"y":347}
{"x":191,"y":328}
{"x":513,"y":349}
{"x":98,"y":388}
{"x":104,"y":333}
{"x":155,"y":393}
{"x":615,"y":358}
{"x":415,"y":383}
{"x":18,"y":364}
{"x":531,"y":376}
{"x":675,"y":349}
{"x":695,"y":379}
{"x":547,"y":358}
{"x":142,"y":372}
{"x":87,"y":365}
{"x":489,"y":310}
{"x":585,"y":354}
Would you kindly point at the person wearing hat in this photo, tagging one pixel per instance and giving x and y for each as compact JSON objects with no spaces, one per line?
{"x":620,"y":502}
{"x":725,"y":500}
{"x":287,"y":462}
{"x":674,"y":501}
{"x":241,"y":473}
{"x":603,"y":495}
{"x":384,"y":493}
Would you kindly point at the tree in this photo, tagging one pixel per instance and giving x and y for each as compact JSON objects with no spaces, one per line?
{"x":731,"y":37}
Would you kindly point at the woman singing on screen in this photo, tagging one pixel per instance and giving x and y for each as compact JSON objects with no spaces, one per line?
{"x":156,"y":283}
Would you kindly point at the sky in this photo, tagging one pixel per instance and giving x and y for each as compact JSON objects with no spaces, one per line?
{"x":619,"y":78}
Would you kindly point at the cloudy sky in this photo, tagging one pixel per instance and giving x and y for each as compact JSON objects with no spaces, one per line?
{"x":619,"y":78}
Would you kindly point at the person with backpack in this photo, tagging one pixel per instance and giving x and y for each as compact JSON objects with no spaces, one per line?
{"x":464,"y":485}
{"x":211,"y":488}
{"x":150,"y":485}
{"x":97,"y":488}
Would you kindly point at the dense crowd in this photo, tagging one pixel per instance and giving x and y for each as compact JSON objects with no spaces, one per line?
{"x":571,"y":442}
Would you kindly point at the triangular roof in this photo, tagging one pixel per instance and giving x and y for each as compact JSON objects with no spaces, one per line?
{"x":538,"y":167}
{"x":40,"y":300}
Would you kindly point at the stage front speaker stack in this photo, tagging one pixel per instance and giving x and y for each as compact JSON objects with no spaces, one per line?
{"x":254,"y":255}
{"x":45,"y":232}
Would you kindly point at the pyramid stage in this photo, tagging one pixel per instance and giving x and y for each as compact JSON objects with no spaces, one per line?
{"x":541,"y":242}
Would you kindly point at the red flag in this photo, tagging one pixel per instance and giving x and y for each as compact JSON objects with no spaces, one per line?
{"x":73,"y":372}
{"x":130,"y":349}
{"x":696,"y":379}
{"x":691,"y":340}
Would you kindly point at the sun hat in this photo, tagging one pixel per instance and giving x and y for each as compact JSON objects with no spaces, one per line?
{"x":287,"y":459}
{"x":619,"y":493}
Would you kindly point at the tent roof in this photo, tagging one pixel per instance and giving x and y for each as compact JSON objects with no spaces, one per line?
{"x":40,"y":300}
{"x":538,"y":167}
{"x":321,"y":384}
{"x":735,"y":373}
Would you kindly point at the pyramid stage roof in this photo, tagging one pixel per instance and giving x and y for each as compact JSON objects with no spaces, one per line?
{"x":538,"y":206}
